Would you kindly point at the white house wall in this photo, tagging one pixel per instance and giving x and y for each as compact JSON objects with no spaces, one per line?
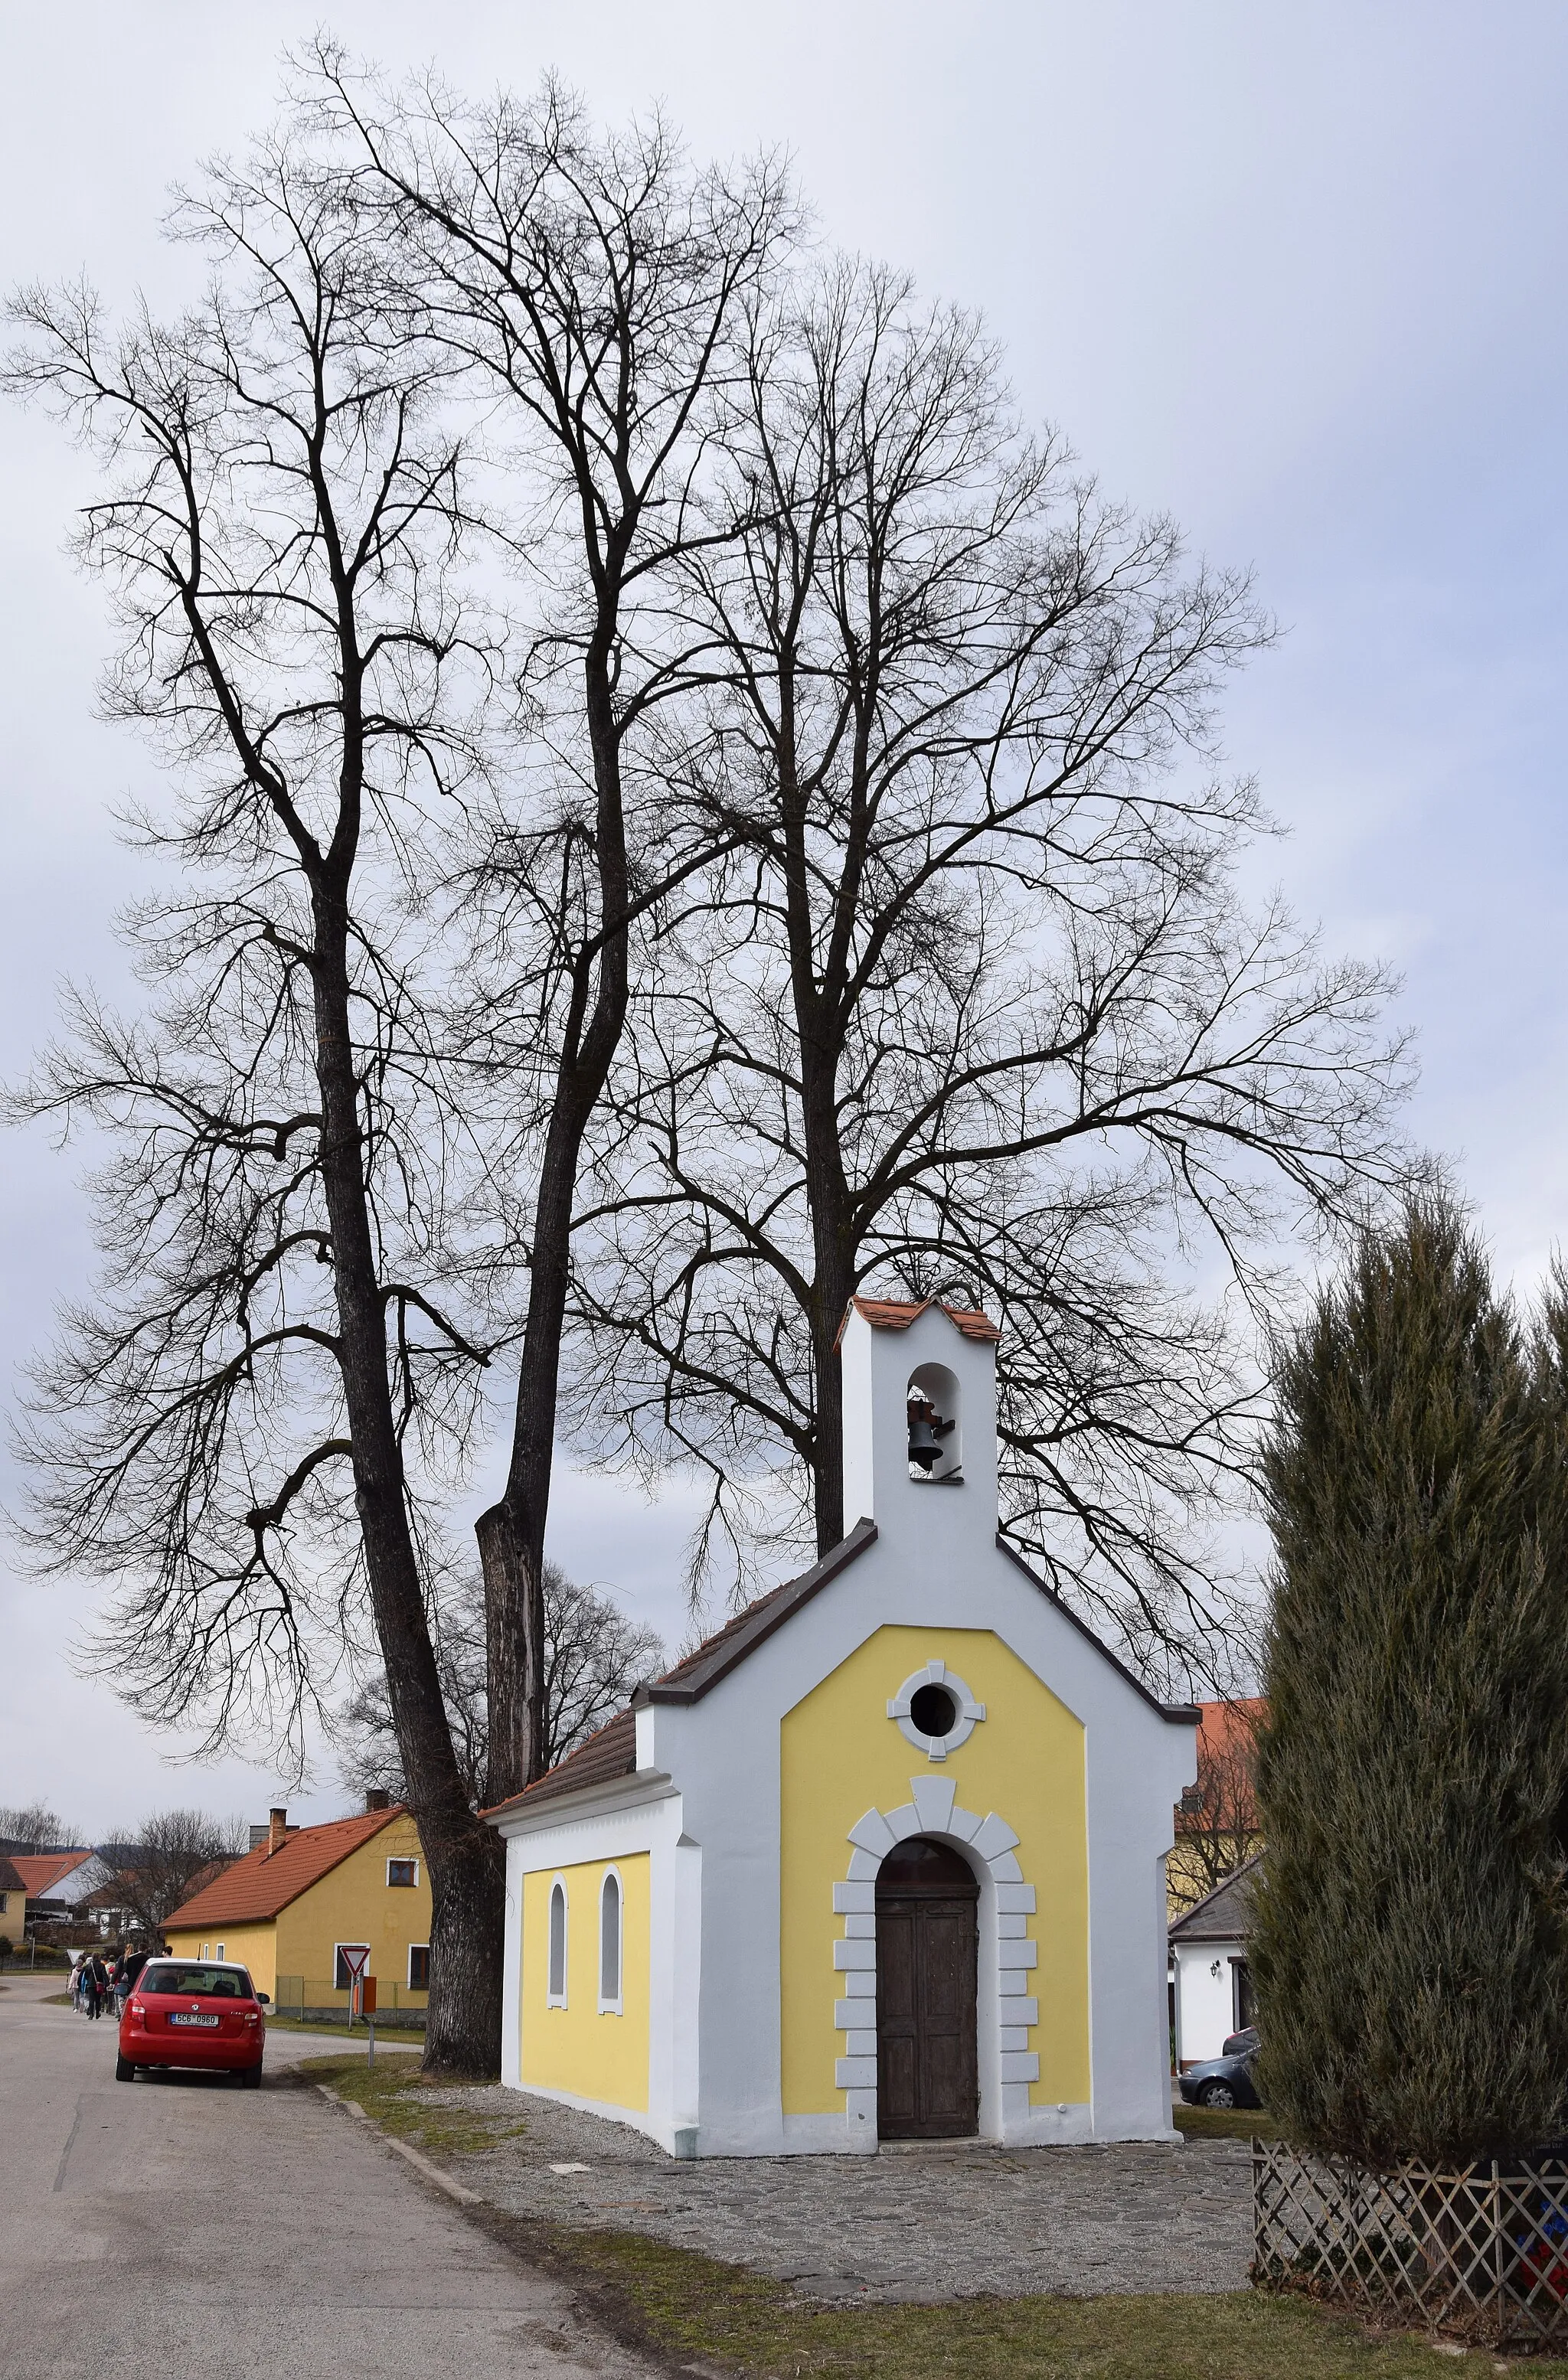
{"x":1205,"y":1998}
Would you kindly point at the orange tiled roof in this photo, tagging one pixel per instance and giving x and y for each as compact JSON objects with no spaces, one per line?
{"x":1226,"y":1728}
{"x":264,"y":1882}
{"x":41,"y":1871}
{"x":898,"y":1313}
{"x":10,"y":1880}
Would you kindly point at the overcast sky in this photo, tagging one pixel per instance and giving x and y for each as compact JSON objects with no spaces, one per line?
{"x":1295,"y":276}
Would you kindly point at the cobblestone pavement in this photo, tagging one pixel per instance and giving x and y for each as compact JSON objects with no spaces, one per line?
{"x":918,"y":2224}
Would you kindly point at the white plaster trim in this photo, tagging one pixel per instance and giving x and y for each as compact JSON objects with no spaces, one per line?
{"x":621,"y":1794}
{"x":557,"y":1885}
{"x":1006,"y":1957}
{"x":613,"y":2007}
{"x":970,"y":1712}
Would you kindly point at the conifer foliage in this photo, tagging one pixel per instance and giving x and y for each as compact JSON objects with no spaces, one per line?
{"x":1411,"y":1941}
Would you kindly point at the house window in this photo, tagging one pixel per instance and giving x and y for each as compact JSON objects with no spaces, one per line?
{"x":610,"y":1945}
{"x":220,"y":1950}
{"x":556,"y":1993}
{"x":418,"y":1966}
{"x":403,"y":1871}
{"x":342,"y":1974}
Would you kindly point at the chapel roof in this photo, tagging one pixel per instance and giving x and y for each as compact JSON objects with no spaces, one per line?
{"x":1225,"y":1914}
{"x":10,"y":1880}
{"x":613,"y":1750}
{"x":612,"y":1753}
{"x":264,"y":1881}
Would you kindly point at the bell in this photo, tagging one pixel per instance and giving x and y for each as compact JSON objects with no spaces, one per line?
{"x":923,"y":1444}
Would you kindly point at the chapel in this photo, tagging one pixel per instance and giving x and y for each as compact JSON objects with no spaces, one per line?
{"x":883,"y":1859}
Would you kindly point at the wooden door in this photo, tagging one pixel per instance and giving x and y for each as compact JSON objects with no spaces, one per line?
{"x":927,"y":2070}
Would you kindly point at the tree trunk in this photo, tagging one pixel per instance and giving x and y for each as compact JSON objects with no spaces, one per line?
{"x":463,"y":1853}
{"x":511,"y":1534}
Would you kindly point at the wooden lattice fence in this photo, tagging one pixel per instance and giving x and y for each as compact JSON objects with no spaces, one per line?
{"x":1483,"y":2252}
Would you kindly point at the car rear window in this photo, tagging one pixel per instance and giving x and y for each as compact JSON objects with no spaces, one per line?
{"x":201,"y":1983}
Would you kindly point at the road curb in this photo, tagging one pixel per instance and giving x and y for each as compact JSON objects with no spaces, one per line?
{"x":416,"y":2157}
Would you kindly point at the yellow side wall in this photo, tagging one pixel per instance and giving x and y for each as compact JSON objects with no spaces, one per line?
{"x":575,"y":2048}
{"x":353,"y":1902}
{"x":13,"y":1917}
{"x":252,"y":1946}
{"x":843,"y":1756}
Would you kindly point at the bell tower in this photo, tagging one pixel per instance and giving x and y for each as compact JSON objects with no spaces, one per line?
{"x":920,"y":1417}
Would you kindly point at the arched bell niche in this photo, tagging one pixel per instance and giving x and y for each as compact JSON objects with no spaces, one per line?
{"x":936,"y":1434}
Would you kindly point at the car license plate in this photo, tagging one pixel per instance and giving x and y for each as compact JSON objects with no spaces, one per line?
{"x":193,"y":2020}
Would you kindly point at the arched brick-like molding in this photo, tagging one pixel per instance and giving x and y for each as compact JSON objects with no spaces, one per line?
{"x":1007,"y":1906}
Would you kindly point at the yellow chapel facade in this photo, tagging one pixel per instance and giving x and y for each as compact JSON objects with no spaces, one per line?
{"x":885,"y":1858}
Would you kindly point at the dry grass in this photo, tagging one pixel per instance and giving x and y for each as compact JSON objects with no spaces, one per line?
{"x":699,"y":2314}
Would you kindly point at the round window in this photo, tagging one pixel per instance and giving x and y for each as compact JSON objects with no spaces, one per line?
{"x":933,"y":1710}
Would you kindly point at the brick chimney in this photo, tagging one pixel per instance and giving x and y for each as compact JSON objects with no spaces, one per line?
{"x":277,"y":1831}
{"x":377,"y":1798}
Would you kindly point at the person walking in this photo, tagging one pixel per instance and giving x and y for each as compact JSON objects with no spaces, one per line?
{"x":125,"y":1981}
{"x":97,"y":1986}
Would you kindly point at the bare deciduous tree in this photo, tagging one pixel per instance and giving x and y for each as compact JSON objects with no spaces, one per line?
{"x":34,"y":1828}
{"x":175,"y":1852}
{"x":234,"y":1429}
{"x":594,"y":1656}
{"x":976,"y":1008}
{"x":593,"y":287}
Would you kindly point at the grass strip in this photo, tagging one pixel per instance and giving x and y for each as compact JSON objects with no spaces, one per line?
{"x":697,"y":2314}
{"x":1225,"y":2124}
{"x":693,"y":2309}
{"x":409,"y":2106}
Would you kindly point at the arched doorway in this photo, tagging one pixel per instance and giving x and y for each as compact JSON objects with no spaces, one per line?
{"x":928,"y":2065}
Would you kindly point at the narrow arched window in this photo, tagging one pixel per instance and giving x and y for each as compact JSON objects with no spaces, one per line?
{"x":556,"y":1991}
{"x":610,"y":1946}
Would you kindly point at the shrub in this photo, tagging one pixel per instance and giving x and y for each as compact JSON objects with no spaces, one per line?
{"x":1411,"y":1936}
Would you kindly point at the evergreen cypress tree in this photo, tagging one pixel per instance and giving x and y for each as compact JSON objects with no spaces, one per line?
{"x":1411,"y":1942}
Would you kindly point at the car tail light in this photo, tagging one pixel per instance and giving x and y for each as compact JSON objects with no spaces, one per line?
{"x":138,"y":2008}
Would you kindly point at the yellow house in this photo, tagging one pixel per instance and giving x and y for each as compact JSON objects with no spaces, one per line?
{"x":12,"y":1905}
{"x":297,"y":1908}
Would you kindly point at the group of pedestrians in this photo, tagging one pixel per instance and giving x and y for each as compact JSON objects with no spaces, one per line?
{"x":97,"y":1980}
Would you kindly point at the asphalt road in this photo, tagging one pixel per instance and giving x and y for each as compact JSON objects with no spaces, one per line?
{"x":188,"y":2227}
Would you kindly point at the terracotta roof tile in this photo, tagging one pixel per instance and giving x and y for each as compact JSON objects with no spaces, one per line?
{"x":41,"y":1871}
{"x":10,"y":1879}
{"x":897,"y":1314}
{"x":1227,"y":1733}
{"x":264,"y":1882}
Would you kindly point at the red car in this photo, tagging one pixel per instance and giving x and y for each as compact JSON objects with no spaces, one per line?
{"x":187,"y":2013}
